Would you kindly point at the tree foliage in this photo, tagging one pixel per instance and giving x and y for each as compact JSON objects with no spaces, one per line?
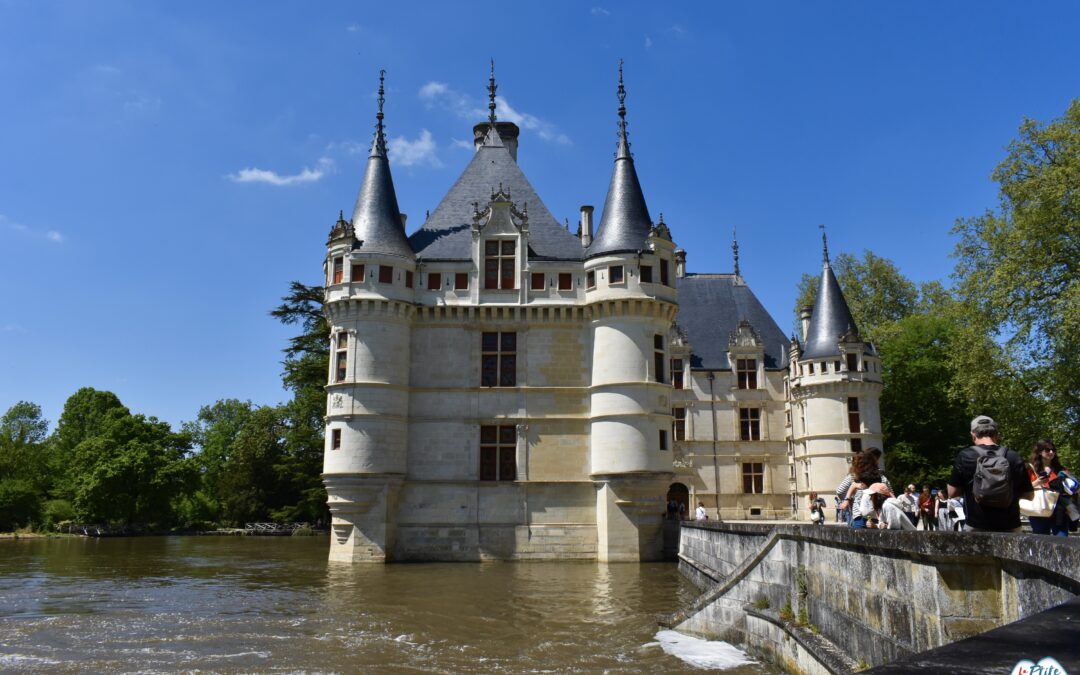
{"x":1018,"y":267}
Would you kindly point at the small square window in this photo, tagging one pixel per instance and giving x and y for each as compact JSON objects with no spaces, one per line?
{"x":461,"y":281}
{"x":590,"y":279}
{"x":856,"y":445}
{"x":646,"y":274}
{"x":566,"y":281}
{"x":538,"y":281}
{"x":357,"y":272}
{"x":615,"y":274}
{"x":434,"y":281}
{"x":386,"y":274}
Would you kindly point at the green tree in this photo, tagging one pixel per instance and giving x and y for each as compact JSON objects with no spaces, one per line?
{"x":1018,"y":267}
{"x":251,"y":485}
{"x":214,"y":433}
{"x":23,"y":451}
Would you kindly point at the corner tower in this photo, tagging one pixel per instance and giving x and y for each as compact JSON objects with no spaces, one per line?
{"x":370,"y":270}
{"x":836,"y":383}
{"x":630,"y":295}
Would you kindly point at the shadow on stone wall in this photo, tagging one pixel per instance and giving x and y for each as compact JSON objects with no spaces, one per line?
{"x":833,"y":599}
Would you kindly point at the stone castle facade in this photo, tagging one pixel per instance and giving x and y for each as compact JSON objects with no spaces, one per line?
{"x":501,"y":388}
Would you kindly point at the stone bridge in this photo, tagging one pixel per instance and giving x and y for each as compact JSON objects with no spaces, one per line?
{"x":824,"y":599}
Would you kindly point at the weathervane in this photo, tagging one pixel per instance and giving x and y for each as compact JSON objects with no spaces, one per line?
{"x":824,"y":244}
{"x":491,"y":95}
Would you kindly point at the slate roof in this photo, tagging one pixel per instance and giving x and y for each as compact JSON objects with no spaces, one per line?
{"x":446,"y":235}
{"x":625,"y":223}
{"x":376,"y":219}
{"x":710,"y":308}
{"x":830,"y":320}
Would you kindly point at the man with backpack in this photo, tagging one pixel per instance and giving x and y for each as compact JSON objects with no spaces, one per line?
{"x":992,"y":480}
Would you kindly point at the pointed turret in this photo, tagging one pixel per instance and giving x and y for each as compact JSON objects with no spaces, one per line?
{"x":831,"y":319}
{"x":625,"y":223}
{"x":376,"y":218}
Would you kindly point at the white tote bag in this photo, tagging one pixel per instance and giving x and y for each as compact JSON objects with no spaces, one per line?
{"x":1041,"y":505}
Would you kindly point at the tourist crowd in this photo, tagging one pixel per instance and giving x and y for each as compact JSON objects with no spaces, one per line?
{"x":989,"y":489}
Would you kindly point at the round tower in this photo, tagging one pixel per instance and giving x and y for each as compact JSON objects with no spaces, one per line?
{"x":835,"y":390}
{"x":370,"y":286}
{"x":630,"y":293}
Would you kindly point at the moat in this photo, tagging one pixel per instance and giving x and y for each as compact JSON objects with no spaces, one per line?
{"x":228,"y":604}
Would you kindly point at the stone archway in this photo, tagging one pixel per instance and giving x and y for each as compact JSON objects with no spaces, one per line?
{"x":680,"y":494}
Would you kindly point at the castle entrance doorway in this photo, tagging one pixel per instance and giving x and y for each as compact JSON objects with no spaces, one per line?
{"x":678,"y":501}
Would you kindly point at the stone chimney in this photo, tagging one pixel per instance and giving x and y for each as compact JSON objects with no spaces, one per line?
{"x":508,"y":132}
{"x":586,"y":225}
{"x":680,"y":263}
{"x":804,"y":317}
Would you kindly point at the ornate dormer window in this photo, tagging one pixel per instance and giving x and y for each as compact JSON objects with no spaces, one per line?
{"x":501,"y":226}
{"x":746,"y":353}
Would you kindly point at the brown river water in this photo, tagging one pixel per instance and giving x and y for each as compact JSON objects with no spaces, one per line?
{"x":274,"y":604}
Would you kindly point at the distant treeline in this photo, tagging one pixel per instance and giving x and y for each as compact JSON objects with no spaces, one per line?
{"x":1003,"y":339}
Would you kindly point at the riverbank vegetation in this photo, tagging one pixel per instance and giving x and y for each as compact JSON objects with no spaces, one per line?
{"x":1001,"y":339}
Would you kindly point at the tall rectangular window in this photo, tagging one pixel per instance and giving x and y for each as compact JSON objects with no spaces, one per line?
{"x":339,"y":270}
{"x":590,"y":279}
{"x":753,"y":478}
{"x":386,"y":274}
{"x":408,"y":278}
{"x":357,"y":271}
{"x":434,"y":281}
{"x":615,"y":274}
{"x":341,"y":357}
{"x":335,"y":439}
{"x":854,"y":425}
{"x":678,"y":425}
{"x":750,"y":424}
{"x":677,"y":373}
{"x":498,"y":360}
{"x":646,"y":274}
{"x":664,"y":272}
{"x":499,"y":261}
{"x":663,"y":440}
{"x":853,"y":362}
{"x":746,"y":370}
{"x":658,"y":358}
{"x":538,"y":282}
{"x":498,"y":453}
{"x":461,"y":281}
{"x":566,"y":281}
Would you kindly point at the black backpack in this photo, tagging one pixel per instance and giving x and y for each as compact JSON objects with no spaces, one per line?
{"x":992,"y":484}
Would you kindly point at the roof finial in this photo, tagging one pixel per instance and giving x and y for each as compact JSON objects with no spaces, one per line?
{"x":491,"y":95}
{"x":622,"y":101}
{"x":735,"y":249}
{"x":380,"y":139}
{"x":824,"y":244}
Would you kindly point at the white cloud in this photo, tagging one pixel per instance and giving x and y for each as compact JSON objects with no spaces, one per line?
{"x":648,"y":42}
{"x":140,"y":103}
{"x":460,"y":143}
{"x":308,"y":175}
{"x":12,"y":328}
{"x":421,"y":152}
{"x":352,"y":28}
{"x":439,"y":94}
{"x":599,"y":11}
{"x":676,"y":29}
{"x":32,"y":232}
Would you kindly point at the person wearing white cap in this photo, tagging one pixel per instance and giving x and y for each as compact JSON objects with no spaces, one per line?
{"x":992,"y":480}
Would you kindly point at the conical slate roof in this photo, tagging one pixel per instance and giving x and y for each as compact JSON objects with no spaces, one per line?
{"x":376,"y":218}
{"x":625,"y":223}
{"x":830,"y":320}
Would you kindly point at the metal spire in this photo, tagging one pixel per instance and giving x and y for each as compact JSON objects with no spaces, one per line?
{"x":380,"y":138}
{"x":824,"y":244}
{"x":491,"y":95}
{"x":735,"y":249}
{"x":623,"y":140}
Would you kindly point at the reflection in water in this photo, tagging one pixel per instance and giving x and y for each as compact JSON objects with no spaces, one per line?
{"x":276,"y":604}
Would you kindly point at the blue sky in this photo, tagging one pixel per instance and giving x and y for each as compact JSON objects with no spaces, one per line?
{"x":166,"y":169}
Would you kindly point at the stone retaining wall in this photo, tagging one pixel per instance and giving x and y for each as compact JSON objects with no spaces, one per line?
{"x":874,"y":596}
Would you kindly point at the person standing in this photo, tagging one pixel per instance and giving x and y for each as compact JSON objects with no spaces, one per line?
{"x":1046,"y":473}
{"x":926,"y":509}
{"x":817,"y":509}
{"x":942,"y":504}
{"x":700,"y":513}
{"x":910,"y":504}
{"x":993,"y":505}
